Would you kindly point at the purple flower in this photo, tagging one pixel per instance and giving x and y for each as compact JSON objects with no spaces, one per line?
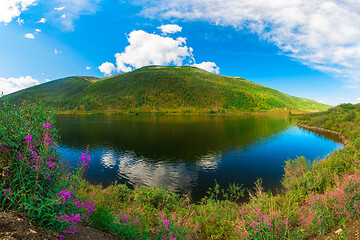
{"x":85,"y":160}
{"x":90,"y":207}
{"x":63,"y":196}
{"x":166,"y":224}
{"x":47,"y":140}
{"x":136,"y":221}
{"x":4,"y":149}
{"x":6,"y":191}
{"x":50,"y":165}
{"x":286,"y":222}
{"x":36,"y":167}
{"x":125,"y":219}
{"x":28,"y":138}
{"x":47,"y":125}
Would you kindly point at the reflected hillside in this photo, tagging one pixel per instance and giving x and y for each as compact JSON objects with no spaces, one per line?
{"x":169,"y":138}
{"x":188,"y":153}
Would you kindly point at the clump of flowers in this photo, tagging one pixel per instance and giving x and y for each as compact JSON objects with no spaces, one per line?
{"x":6,"y":191}
{"x":32,"y":158}
{"x":85,"y":160}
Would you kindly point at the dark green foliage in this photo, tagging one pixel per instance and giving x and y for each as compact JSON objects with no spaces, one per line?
{"x":158,"y":89}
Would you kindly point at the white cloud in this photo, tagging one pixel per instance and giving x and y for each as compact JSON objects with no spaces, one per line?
{"x":74,"y":9}
{"x":42,"y":20}
{"x":56,"y":51}
{"x":146,"y":49}
{"x":20,"y":21}
{"x":325,"y":35}
{"x":208,"y":66}
{"x":356,"y":101}
{"x":10,"y":85}
{"x":170,"y":28}
{"x":10,"y":9}
{"x":107,"y":68}
{"x":37,"y":30}
{"x":59,"y":8}
{"x":30,"y":36}
{"x":152,"y":49}
{"x":88,"y":68}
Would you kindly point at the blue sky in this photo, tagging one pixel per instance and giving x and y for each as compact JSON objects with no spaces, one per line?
{"x":306,"y":49}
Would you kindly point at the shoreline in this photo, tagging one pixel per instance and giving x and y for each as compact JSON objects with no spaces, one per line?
{"x":345,"y":141}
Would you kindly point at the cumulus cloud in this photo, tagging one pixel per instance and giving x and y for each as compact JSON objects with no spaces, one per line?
{"x":88,"y":68}
{"x":42,"y":20}
{"x":107,"y":68}
{"x":37,"y":30}
{"x":63,"y":16}
{"x":10,"y":85}
{"x":208,"y":66}
{"x":30,"y":36}
{"x":170,"y":28}
{"x":152,"y":49}
{"x":325,"y":35}
{"x":9,"y":9}
{"x":146,"y":49}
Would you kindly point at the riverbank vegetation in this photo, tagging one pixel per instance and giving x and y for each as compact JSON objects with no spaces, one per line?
{"x":316,"y":196}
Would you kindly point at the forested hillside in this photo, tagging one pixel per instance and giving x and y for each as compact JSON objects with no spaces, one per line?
{"x":161,"y":89}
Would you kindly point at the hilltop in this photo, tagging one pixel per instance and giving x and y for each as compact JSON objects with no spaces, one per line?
{"x":162,"y":89}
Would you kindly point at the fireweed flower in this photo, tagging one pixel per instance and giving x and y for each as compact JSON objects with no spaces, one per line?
{"x":47,"y":125}
{"x":286,"y":222}
{"x":85,"y":160}
{"x":89,"y":207}
{"x":47,"y":140}
{"x":6,"y":191}
{"x":166,"y":224}
{"x":136,"y":221}
{"x":4,"y":149}
{"x":63,"y":196}
{"x":50,"y":165}
{"x":28,"y":138}
{"x":36,"y":167}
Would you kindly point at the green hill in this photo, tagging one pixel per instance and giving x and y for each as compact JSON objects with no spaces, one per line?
{"x":161,"y":89}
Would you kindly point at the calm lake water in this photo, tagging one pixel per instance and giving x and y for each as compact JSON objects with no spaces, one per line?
{"x":188,"y":153}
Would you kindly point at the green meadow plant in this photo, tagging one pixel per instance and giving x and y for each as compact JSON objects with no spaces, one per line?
{"x":32,"y":181}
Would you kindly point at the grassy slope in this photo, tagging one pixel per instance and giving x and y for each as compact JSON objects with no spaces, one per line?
{"x":163,"y":89}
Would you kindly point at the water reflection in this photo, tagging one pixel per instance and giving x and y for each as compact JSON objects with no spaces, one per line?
{"x":187,"y":153}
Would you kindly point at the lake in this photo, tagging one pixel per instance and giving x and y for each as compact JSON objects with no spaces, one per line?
{"x":188,"y":153}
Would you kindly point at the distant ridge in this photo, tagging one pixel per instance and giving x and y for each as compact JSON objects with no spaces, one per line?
{"x":161,"y":89}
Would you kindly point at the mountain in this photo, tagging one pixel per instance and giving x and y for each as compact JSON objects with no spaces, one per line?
{"x":161,"y":89}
